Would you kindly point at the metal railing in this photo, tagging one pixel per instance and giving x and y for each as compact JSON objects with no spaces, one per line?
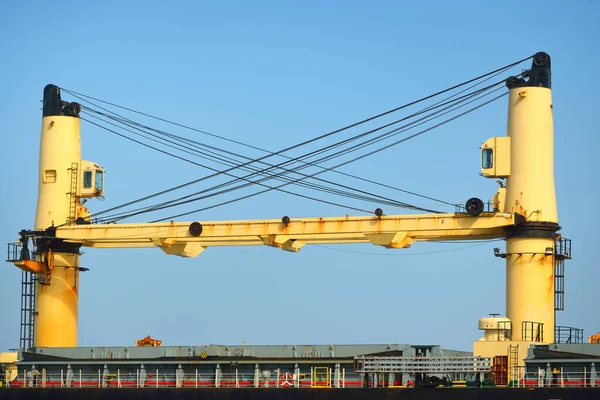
{"x":317,"y":377}
{"x":563,"y":248}
{"x":532,"y":331}
{"x":427,"y":365}
{"x":557,"y":378}
{"x":567,"y":334}
{"x":14,"y":252}
{"x":141,"y":378}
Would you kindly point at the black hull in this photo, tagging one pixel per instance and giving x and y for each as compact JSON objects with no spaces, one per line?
{"x":301,"y":394}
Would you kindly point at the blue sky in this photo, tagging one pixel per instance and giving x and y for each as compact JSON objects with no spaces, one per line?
{"x":273,"y":74}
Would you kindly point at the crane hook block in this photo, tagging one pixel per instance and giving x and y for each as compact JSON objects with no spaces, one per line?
{"x":195,"y":229}
{"x":474,"y":207}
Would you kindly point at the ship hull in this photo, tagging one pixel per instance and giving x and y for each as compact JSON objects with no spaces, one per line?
{"x":312,"y":394}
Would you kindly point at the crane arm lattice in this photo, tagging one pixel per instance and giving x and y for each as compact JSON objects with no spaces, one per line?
{"x":190,"y":239}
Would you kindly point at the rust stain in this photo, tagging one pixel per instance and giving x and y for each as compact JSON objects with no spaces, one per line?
{"x":519,"y":260}
{"x":378,"y":223}
{"x":321,"y":226}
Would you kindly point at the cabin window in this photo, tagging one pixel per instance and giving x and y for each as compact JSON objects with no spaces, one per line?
{"x":50,"y":176}
{"x":99,"y":180}
{"x":487,"y":158}
{"x":87,"y":179}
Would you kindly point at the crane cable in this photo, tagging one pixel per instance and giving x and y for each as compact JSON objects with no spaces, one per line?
{"x":129,"y":122}
{"x":172,"y":204}
{"x":321,"y":136}
{"x":183,"y":159}
{"x":499,"y":70}
{"x":150,"y":208}
{"x":255,"y":170}
{"x":299,"y":159}
{"x":344,"y":163}
{"x":479,"y":243}
{"x":228,"y":183}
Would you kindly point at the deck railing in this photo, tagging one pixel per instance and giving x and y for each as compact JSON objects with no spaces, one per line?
{"x":144,"y":378}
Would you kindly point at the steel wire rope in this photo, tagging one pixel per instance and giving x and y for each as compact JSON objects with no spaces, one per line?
{"x":322,"y":136}
{"x":192,"y":162}
{"x":326,"y":134}
{"x":228,"y":183}
{"x":336,"y":166}
{"x":310,"y":185}
{"x":151,"y":208}
{"x":180,"y":186}
{"x":398,"y":130}
{"x":170,"y":204}
{"x":231,"y":182}
{"x":203,"y":197}
{"x":407,"y":254}
{"x":130,"y":122}
{"x":156,"y":207}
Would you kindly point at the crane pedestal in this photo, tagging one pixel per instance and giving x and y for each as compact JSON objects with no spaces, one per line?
{"x":57,"y":303}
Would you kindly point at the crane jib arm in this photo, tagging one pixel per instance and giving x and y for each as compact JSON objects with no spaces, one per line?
{"x":190,"y":239}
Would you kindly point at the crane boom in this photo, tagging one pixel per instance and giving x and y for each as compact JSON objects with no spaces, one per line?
{"x":189,"y":239}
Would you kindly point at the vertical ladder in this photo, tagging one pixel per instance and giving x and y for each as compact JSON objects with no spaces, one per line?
{"x":27,"y":310}
{"x":73,"y":194}
{"x":513,"y":363}
{"x":562,"y":252}
{"x":559,"y":284}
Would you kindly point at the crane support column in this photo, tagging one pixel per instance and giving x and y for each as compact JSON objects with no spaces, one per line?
{"x":530,"y":192}
{"x":57,"y":288}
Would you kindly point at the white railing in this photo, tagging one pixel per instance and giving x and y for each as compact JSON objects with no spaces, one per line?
{"x":180,"y":378}
{"x":186,"y":378}
{"x":556,"y":378}
{"x":427,"y":365}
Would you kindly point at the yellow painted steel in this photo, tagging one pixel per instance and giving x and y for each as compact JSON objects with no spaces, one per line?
{"x":500,"y":160}
{"x":321,"y":377}
{"x":394,"y":231}
{"x":56,"y":303}
{"x":31,"y":266}
{"x":530,"y":191}
{"x":9,"y":360}
{"x":530,"y":186}
{"x":501,"y":348}
{"x":60,"y":147}
{"x":530,"y":286}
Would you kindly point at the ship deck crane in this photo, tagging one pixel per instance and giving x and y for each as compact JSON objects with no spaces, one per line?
{"x":524,"y":212}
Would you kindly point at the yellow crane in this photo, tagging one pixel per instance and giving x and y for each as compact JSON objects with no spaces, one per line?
{"x":524,"y":212}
